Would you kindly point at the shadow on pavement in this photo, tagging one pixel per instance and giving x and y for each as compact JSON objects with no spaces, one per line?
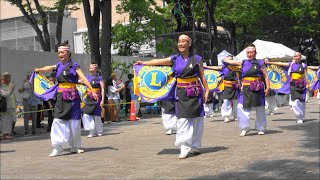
{"x":8,"y":151}
{"x":306,"y":120}
{"x":254,"y":132}
{"x":202,"y":150}
{"x":311,"y":138}
{"x":285,"y":168}
{"x":277,"y":169}
{"x":66,"y":152}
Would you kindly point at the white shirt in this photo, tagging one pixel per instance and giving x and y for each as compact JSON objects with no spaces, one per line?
{"x":112,"y":93}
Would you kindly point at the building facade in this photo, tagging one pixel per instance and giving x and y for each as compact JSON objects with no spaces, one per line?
{"x":19,"y":35}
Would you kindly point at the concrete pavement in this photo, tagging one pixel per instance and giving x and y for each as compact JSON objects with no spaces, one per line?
{"x":141,"y":150}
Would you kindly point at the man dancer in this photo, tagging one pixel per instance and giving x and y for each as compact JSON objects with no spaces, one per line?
{"x":252,"y":94}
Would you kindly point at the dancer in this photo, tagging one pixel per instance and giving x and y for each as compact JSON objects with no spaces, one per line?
{"x":66,"y":128}
{"x":231,"y":88}
{"x":188,"y":69}
{"x":298,"y":83}
{"x":92,"y":108}
{"x":252,"y":91}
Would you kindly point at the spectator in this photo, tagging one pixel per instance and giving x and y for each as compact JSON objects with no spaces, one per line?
{"x":5,"y":126}
{"x":176,"y":12}
{"x":127,"y":96}
{"x":30,"y":103}
{"x":113,"y":97}
{"x":10,"y":117}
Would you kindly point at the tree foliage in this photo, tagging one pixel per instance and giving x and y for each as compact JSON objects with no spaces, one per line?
{"x":37,"y":15}
{"x":295,"y":23}
{"x":128,"y":37}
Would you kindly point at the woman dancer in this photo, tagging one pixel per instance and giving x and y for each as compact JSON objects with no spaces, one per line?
{"x":92,"y":108}
{"x":298,"y":83}
{"x":188,"y":70}
{"x":66,"y":126}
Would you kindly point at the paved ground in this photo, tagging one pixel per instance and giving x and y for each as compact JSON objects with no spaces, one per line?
{"x":141,"y":150}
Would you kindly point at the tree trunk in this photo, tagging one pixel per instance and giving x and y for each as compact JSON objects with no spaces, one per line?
{"x":105,"y":7}
{"x":93,"y":23}
{"x":60,"y":16}
{"x":33,"y":22}
{"x":211,"y":8}
{"x":233,"y":38}
{"x":45,"y":31}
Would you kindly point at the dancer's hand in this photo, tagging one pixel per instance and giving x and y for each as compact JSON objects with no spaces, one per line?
{"x":138,"y":62}
{"x":205,"y":97}
{"x":101,"y":104}
{"x":95,"y":96}
{"x":266,"y":91}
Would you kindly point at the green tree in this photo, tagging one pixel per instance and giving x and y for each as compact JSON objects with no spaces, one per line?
{"x":139,"y":29}
{"x":37,"y":14}
{"x":96,"y":41}
{"x":294,"y":23}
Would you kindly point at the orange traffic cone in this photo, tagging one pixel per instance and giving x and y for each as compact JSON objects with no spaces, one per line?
{"x":133,"y":116}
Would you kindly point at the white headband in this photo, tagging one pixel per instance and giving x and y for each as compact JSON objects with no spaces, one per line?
{"x":183,"y":36}
{"x":64,"y":48}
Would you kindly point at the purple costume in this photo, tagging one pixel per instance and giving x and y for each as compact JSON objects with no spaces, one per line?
{"x":67,"y":109}
{"x":248,"y":98}
{"x":187,"y":107}
{"x":230,"y":93}
{"x":296,"y":91}
{"x":92,"y":107}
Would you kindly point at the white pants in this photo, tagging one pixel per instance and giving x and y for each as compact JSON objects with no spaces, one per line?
{"x":318,"y":96}
{"x":244,"y":118}
{"x":307,"y":96}
{"x":189,"y":132}
{"x":65,"y":132}
{"x":208,"y":109}
{"x":299,"y":109}
{"x":271,"y":104}
{"x":229,"y":108}
{"x":92,"y":123}
{"x":169,"y":121}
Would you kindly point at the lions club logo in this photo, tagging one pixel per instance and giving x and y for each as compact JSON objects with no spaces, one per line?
{"x":41,"y":84}
{"x":312,"y":76}
{"x":276,"y":76}
{"x":213,"y":78}
{"x":155,"y":81}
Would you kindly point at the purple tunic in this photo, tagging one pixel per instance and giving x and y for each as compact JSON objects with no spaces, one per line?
{"x":92,"y":107}
{"x":187,"y":107}
{"x":297,"y":92}
{"x":230,"y":75}
{"x":248,"y":98}
{"x":67,"y":109}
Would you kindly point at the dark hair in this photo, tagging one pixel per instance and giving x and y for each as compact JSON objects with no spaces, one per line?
{"x":65,"y":43}
{"x":108,"y":83}
{"x":252,"y":45}
{"x":130,"y":76}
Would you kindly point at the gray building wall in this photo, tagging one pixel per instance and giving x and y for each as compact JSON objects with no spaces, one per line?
{"x":18,"y":63}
